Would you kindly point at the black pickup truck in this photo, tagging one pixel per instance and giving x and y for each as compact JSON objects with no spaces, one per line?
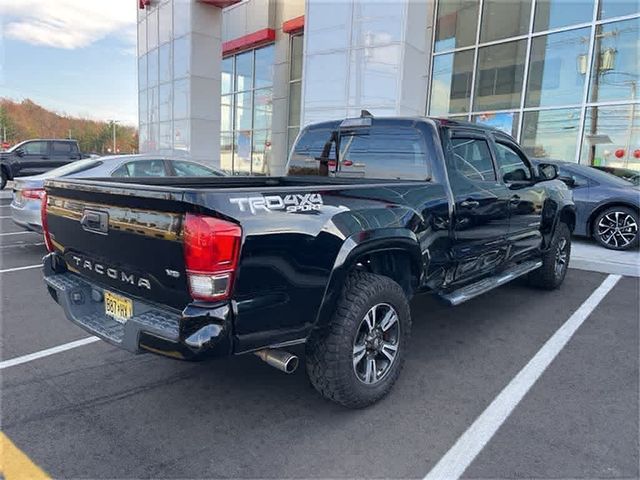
{"x":32,"y":157}
{"x":371,"y":212}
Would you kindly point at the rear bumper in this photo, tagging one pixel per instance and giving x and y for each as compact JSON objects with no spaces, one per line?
{"x":27,"y":215}
{"x":196,"y":332}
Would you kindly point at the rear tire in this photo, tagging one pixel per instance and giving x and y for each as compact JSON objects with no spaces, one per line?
{"x":555,"y":261}
{"x":357,"y":358}
{"x":616,"y":228}
{"x":3,"y":179}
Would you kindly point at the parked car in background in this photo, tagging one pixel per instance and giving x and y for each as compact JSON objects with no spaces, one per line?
{"x":28,"y":191}
{"x":632,"y":176}
{"x":607,"y":206}
{"x":32,"y":157}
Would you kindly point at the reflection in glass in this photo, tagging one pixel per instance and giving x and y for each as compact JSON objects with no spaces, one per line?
{"x":181,"y":135}
{"x":244,"y":71}
{"x":612,"y":136}
{"x":262,"y":105}
{"x":296,"y":57}
{"x":615,"y":73}
{"x":260,"y":152}
{"x":165,"y":21}
{"x":142,"y":72}
{"x":264,"y":67}
{"x":456,"y":24}
{"x":500,"y":75}
{"x":165,"y":135}
{"x":504,"y":19}
{"x":143,"y":112}
{"x":164,"y":62}
{"x":152,"y":29}
{"x":553,"y":76}
{"x":242,"y":151}
{"x":294,"y":103}
{"x":243,"y":111}
{"x":618,"y":8}
{"x":152,"y":68}
{"x":180,"y":99}
{"x":226,"y":112}
{"x":551,"y":134}
{"x":451,"y":84}
{"x":326,"y":80}
{"x":153,"y":105}
{"x":165,"y":102}
{"x":181,"y":57}
{"x":227,"y":75}
{"x":374,"y":76}
{"x":505,"y":121}
{"x":560,"y":13}
{"x":226,"y":151}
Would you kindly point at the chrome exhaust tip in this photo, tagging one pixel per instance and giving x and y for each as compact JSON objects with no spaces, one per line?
{"x":284,"y":361}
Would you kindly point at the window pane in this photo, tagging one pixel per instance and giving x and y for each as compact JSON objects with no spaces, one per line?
{"x":143,"y":107}
{"x":309,"y":147}
{"x":617,"y":8}
{"x":505,"y":121}
{"x":512,"y":167}
{"x":504,"y":19}
{"x":190,"y":169}
{"x":616,"y":61}
{"x":165,"y":102}
{"x":456,"y":24}
{"x":181,"y":135}
{"x":260,"y":152}
{"x":226,"y":112}
{"x":242,"y":152}
{"x":243,"y":111}
{"x":296,"y":57}
{"x":262,"y":105}
{"x":165,"y":20}
{"x":180,"y":99}
{"x":35,"y":148}
{"x":146,"y":168}
{"x":142,"y":72}
{"x":611,"y":136}
{"x":152,"y":29}
{"x":226,"y":151}
{"x":165,"y":135}
{"x":152,"y":68}
{"x":499,"y":77}
{"x":181,"y":53}
{"x":294,"y":103}
{"x":560,"y":13}
{"x":227,"y":75}
{"x":553,"y":76}
{"x":451,"y":85}
{"x":551,"y":134}
{"x":264,"y":67}
{"x":154,"y":107}
{"x":165,"y":63}
{"x":244,"y":71}
{"x":471,"y":158}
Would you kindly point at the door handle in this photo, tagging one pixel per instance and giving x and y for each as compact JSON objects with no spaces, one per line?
{"x":515,"y":200}
{"x":469,"y":203}
{"x":44,"y":157}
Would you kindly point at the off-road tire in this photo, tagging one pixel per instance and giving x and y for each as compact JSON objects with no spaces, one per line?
{"x":329,"y":350}
{"x":547,"y":276}
{"x":3,"y":179}
{"x":623,"y":211}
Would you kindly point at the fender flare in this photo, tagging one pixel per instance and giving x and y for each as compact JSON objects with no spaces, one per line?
{"x":355,"y":247}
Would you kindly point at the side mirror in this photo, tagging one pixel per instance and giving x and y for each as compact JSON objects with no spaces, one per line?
{"x":547,"y":171}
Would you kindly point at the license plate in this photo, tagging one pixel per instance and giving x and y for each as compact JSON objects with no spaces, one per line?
{"x":117,"y":307}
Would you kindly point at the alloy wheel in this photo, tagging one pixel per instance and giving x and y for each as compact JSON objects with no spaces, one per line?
{"x":562,"y":257}
{"x":375,"y":347}
{"x":617,"y":229}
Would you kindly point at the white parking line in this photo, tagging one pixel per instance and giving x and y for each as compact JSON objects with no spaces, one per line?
{"x":453,"y":464}
{"x":15,"y":269}
{"x":14,"y":233}
{"x":45,"y":353}
{"x":5,"y":216}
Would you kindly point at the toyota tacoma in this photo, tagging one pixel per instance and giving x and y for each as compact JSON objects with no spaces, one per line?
{"x":371,"y":212}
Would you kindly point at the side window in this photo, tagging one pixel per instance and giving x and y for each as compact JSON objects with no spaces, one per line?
{"x":308,"y":149}
{"x":62,"y":148}
{"x":385,"y":152}
{"x":471,"y":158}
{"x":511,"y":164}
{"x":189,"y":169}
{"x":141,"y":168}
{"x":35,"y":148}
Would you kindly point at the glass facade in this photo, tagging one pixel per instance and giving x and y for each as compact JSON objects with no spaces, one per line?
{"x":246,"y":111}
{"x":295,"y":87}
{"x":559,"y":75}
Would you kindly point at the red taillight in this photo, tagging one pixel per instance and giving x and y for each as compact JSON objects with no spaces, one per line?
{"x":35,"y":193}
{"x":43,"y":218}
{"x":211,"y":251}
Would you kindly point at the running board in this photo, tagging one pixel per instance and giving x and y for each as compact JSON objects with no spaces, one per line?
{"x":470,"y":291}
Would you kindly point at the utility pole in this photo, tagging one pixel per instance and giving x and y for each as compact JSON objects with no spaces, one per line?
{"x":113,"y":124}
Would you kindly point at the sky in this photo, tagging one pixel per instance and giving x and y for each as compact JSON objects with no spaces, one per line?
{"x":76,"y":57}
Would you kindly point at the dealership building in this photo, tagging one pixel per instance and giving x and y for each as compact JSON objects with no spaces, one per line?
{"x":232,"y":82}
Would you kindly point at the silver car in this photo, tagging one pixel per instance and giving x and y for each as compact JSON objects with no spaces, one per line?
{"x":28,"y":191}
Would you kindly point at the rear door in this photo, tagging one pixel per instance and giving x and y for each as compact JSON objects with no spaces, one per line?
{"x":481,"y":209}
{"x":63,"y":153}
{"x":35,"y":158}
{"x":526,"y":198}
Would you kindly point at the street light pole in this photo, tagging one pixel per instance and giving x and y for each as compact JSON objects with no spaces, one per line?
{"x":113,"y":124}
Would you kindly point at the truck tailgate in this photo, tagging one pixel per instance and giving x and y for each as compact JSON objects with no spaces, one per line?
{"x":127,"y":240}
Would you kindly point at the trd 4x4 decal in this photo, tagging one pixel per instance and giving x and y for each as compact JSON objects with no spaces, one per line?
{"x":291,"y":203}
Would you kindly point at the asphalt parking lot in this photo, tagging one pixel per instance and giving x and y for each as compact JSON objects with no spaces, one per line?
{"x":97,"y":412}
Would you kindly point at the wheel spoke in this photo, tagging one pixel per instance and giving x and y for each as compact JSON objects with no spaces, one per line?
{"x":389,"y":319}
{"x":370,"y":319}
{"x":389,"y":350}
{"x":359,"y":352}
{"x":370,"y":374}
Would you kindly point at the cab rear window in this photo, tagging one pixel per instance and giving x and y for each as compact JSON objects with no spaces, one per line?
{"x":382,"y":152}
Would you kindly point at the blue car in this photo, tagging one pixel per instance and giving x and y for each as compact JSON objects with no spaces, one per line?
{"x":608,"y":207}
